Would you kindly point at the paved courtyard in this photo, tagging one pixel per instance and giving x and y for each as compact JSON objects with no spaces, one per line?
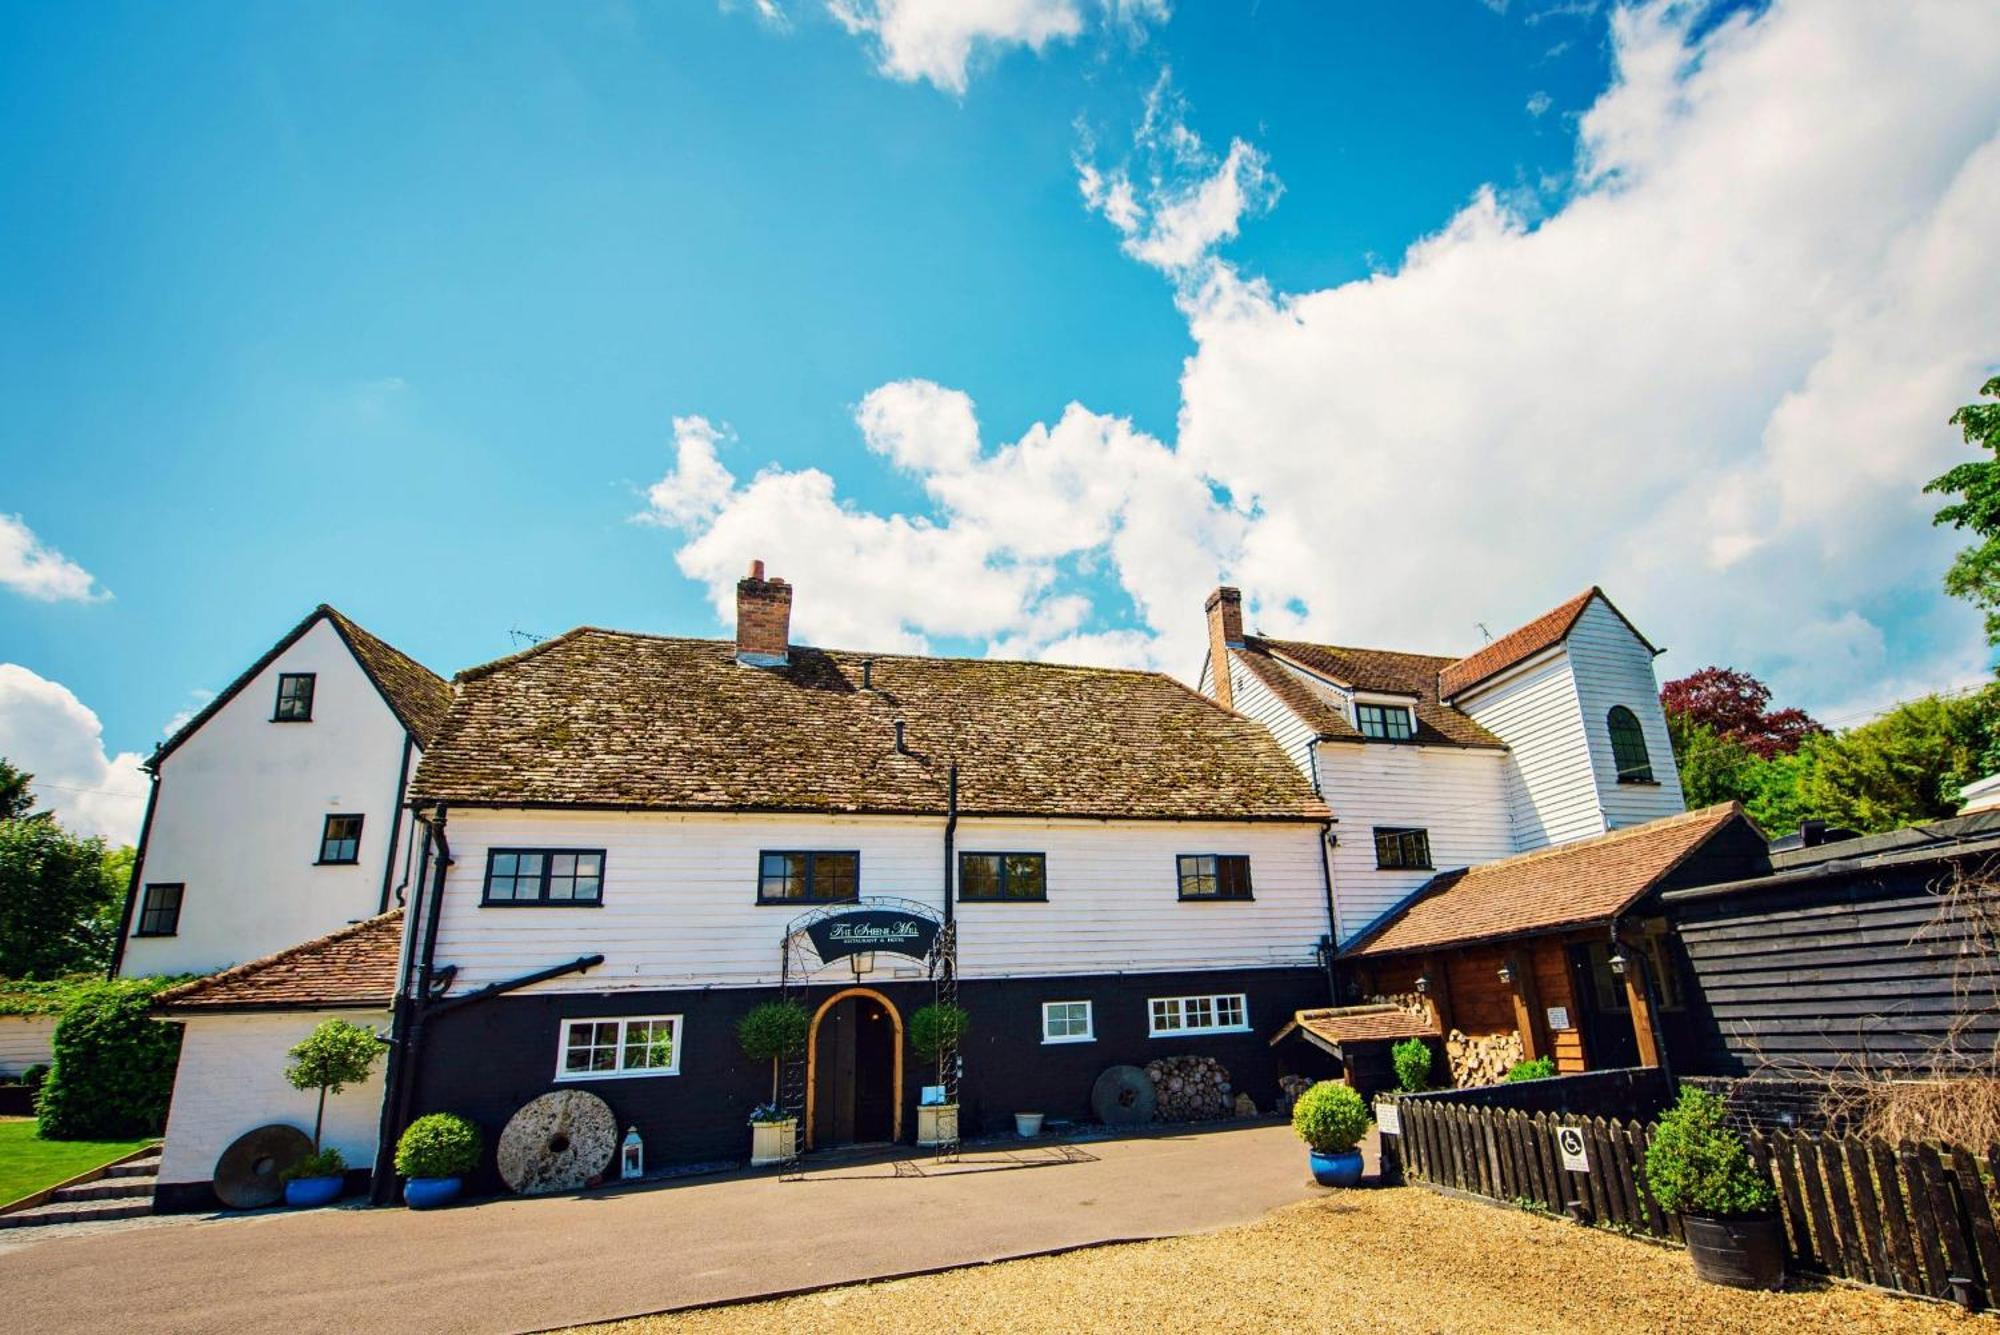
{"x":533,"y":1264}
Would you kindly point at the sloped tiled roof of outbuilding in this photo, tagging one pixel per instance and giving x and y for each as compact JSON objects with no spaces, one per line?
{"x":1570,"y":885}
{"x":1384,"y":670}
{"x":353,"y":967}
{"x":610,"y":719}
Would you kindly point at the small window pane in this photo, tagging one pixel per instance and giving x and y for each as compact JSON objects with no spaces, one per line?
{"x":1166,"y":1014}
{"x":1065,"y":1020}
{"x":295,"y":697}
{"x":979,"y":876}
{"x":1197,"y":876}
{"x":1027,"y":876}
{"x":835,"y":875}
{"x":1388,"y":722}
{"x":1229,"y":1011}
{"x":160,"y":911}
{"x":649,"y":1045}
{"x":340,"y":841}
{"x":1628,"y":746}
{"x":782,"y":876}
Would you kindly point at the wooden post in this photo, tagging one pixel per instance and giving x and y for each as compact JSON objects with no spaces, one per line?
{"x":1529,"y":1021}
{"x":1435,"y":968}
{"x":1642,"y":1009}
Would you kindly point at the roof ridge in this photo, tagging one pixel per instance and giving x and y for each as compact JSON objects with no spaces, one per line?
{"x":1361,"y":649}
{"x":236,"y":972}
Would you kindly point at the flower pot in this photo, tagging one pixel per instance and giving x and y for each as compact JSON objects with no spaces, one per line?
{"x":1027,"y":1125}
{"x":1742,"y":1251}
{"x":1340,"y":1168}
{"x":773,"y":1142}
{"x":305,"y":1192}
{"x":427,"y":1193}
{"x":937,"y":1123}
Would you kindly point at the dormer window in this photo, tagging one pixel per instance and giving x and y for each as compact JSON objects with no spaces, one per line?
{"x":295,"y":698}
{"x":1628,"y":746}
{"x":1389,"y":723}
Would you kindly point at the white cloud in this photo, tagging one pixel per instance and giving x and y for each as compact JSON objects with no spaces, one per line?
{"x":198,"y":702}
{"x":939,"y":40}
{"x":47,"y":731}
{"x":41,"y":572}
{"x":1539,"y":103}
{"x":1186,"y":201}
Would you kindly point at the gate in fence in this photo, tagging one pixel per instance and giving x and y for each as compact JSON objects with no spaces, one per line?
{"x":1911,"y":1218}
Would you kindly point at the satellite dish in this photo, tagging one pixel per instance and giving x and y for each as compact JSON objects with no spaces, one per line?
{"x":247,"y":1174}
{"x":558,"y":1142}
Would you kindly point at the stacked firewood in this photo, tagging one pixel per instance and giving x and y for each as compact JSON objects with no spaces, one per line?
{"x":1191,"y":1089}
{"x":1289,"y":1089}
{"x":1483,"y":1059}
{"x":1416,"y":1003}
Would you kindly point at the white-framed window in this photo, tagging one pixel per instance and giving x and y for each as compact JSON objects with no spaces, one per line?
{"x":1228,"y":1013}
{"x":1067,"y":1022}
{"x":613,"y":1046}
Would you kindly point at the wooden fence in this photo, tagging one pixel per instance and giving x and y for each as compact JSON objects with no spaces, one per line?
{"x":1912,"y":1218}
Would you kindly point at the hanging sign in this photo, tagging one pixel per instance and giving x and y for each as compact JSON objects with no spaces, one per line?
{"x":1570,"y":1145}
{"x":1389,"y":1118}
{"x":863,"y":930}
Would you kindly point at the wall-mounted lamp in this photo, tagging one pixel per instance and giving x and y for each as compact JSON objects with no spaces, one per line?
{"x":1507,"y":973}
{"x":1423,"y":984}
{"x":863,"y":962}
{"x":1618,"y":963}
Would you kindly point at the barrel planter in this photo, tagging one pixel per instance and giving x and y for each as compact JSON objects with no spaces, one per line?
{"x":1741,"y":1251}
{"x":1342,"y":1168}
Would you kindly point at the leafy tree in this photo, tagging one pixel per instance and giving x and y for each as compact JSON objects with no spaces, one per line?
{"x":1735,"y":706}
{"x":1904,"y":767}
{"x":1974,"y":573}
{"x":334,"y":1055}
{"x":58,"y":906}
{"x":17,"y":798}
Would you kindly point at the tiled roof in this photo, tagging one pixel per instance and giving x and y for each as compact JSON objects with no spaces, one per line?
{"x":1551,"y":627}
{"x":1384,"y":670}
{"x":1571,"y":885}
{"x":1361,"y":1024}
{"x":599,"y":718}
{"x":353,"y":967}
{"x":415,"y":694}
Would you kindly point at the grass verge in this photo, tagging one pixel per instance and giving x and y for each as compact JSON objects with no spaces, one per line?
{"x":28,"y":1164}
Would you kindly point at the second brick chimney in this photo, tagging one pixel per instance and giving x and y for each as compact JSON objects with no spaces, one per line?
{"x":763,"y":619}
{"x":1225,"y":631}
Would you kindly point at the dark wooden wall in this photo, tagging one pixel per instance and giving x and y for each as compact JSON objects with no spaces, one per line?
{"x":1862,"y":971}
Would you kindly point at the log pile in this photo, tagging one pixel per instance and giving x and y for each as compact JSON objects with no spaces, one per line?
{"x":1191,"y":1089}
{"x":1482,"y":1059}
{"x":1289,"y":1089}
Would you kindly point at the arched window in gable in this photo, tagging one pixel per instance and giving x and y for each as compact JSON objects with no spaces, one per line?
{"x":1628,"y":746}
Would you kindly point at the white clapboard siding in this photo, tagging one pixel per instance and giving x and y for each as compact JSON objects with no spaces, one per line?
{"x":1553,"y":788}
{"x":680,"y":910}
{"x":1612,"y":667}
{"x":241,"y":807}
{"x":25,"y":1040}
{"x":1459,"y":795}
{"x":1253,"y":699}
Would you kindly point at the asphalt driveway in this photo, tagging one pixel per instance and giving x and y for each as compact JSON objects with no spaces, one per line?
{"x":533,"y":1264}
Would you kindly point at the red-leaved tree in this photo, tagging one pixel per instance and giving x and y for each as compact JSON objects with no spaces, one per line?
{"x":1735,"y":705}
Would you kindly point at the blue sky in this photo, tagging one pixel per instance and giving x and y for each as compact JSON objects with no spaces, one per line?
{"x":416,"y":310}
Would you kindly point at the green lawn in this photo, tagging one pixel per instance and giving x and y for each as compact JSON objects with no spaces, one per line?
{"x":30,"y":1164}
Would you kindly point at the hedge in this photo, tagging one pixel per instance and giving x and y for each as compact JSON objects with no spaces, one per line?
{"x":113,"y":1072}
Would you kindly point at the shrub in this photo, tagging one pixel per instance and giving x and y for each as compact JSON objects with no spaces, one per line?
{"x":772,"y":1031}
{"x":328,"y":1162}
{"x":1412,"y":1057}
{"x":1696,"y":1164}
{"x":35,"y":1075}
{"x":1541,"y":1068}
{"x":113,"y":1073}
{"x":334,"y":1055}
{"x":935,"y":1027}
{"x":1330,"y":1117}
{"x":439,"y":1145}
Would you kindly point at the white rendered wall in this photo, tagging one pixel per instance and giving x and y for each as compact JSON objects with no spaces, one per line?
{"x":680,"y":897}
{"x":25,"y":1040}
{"x":231,"y":1080}
{"x":1613,"y":668}
{"x":241,"y":807}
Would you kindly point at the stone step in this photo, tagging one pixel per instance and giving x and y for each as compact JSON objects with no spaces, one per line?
{"x":110,"y":1189}
{"x":76,"y":1212}
{"x":145,"y":1166}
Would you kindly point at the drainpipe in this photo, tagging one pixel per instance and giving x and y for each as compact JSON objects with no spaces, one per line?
{"x":1326,"y":836}
{"x":950,"y":836}
{"x":413,"y":985}
{"x":396,"y":822}
{"x":132,"y":882}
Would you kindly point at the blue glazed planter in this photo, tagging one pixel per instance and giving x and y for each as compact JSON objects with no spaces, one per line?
{"x":1340,"y":1169}
{"x":427,"y":1193}
{"x":305,"y":1192}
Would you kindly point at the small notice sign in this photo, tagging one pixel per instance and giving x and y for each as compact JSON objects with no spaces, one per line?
{"x":1570,"y":1145}
{"x":1558,"y":1017}
{"x":1389,"y":1119}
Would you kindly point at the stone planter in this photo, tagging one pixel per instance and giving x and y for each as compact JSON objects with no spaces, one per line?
{"x":773,"y":1142}
{"x":937,"y":1124}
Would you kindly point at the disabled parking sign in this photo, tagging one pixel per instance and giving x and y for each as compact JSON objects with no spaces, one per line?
{"x":1570,"y":1145}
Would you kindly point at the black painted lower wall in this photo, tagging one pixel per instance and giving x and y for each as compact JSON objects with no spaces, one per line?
{"x":200,"y":1197}
{"x":485,"y":1061}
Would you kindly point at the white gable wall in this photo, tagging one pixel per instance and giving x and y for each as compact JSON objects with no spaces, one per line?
{"x":1254,"y":700}
{"x":1552,"y":788}
{"x":680,"y":897}
{"x":241,"y":806}
{"x":1613,"y":667}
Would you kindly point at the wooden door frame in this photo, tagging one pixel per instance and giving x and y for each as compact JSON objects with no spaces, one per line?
{"x":812,"y":1056}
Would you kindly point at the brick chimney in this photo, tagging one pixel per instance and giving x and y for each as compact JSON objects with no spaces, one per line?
{"x":763,"y":619}
{"x":1225,"y":630}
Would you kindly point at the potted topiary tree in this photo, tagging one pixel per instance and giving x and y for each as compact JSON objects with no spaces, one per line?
{"x":772,"y":1031}
{"x":934,"y":1029}
{"x":1412,"y":1059}
{"x":333,"y":1056}
{"x":1697,"y":1166}
{"x":434,"y":1155}
{"x":1331,"y":1119}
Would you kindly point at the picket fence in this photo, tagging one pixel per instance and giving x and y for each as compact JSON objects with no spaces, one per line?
{"x":1911,"y":1218}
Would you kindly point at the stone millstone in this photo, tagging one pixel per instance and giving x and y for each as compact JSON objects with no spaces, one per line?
{"x":559,"y":1142}
{"x":1124,"y":1096}
{"x":247,"y":1176}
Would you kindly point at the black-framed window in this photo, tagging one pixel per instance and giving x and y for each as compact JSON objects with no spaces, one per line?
{"x":561,"y":877}
{"x":1399,"y":847}
{"x":295,"y":698}
{"x":1628,"y":746}
{"x":340,"y":841}
{"x":1017,"y":877}
{"x":1215,"y":876}
{"x":1389,"y":723}
{"x":808,"y":876}
{"x":160,"y":910}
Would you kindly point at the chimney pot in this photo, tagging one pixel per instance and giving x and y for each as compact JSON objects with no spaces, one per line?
{"x":763,"y":619}
{"x":1225,"y":631}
